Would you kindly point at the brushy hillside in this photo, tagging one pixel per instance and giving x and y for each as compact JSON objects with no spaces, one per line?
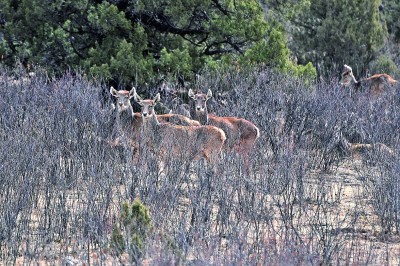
{"x":67,"y":194}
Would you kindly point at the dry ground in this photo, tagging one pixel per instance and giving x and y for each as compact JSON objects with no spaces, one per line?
{"x":361,"y":240}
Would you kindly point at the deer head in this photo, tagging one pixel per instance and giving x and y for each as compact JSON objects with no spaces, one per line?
{"x":200,"y":100}
{"x":147,"y":106}
{"x":123,"y":98}
{"x":347,"y":76}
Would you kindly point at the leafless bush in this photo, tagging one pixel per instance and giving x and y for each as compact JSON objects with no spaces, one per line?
{"x":63,"y":183}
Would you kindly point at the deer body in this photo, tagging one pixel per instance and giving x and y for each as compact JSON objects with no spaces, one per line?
{"x":241,"y":133}
{"x":189,"y":142}
{"x":127,"y":122}
{"x":175,"y":119}
{"x":376,"y":83}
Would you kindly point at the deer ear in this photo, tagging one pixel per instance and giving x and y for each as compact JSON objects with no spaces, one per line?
{"x":191,"y":94}
{"x":113,"y":91}
{"x":132,"y":93}
{"x":156,"y":98}
{"x":135,"y":96}
{"x":209,"y":94}
{"x":347,"y":68}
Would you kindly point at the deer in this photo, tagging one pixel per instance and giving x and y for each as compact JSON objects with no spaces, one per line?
{"x":191,"y":142}
{"x":357,"y":150}
{"x":375,"y":84}
{"x":241,"y":134}
{"x":126,"y":122}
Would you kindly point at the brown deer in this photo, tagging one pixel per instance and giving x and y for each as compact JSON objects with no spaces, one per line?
{"x":127,"y":122}
{"x":190,"y":142}
{"x":375,"y":84}
{"x":358,"y":150}
{"x":241,"y":134}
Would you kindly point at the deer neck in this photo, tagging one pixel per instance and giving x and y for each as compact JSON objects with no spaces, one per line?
{"x":125,"y":117}
{"x":202,"y":117}
{"x":355,"y":82}
{"x":150,"y":124}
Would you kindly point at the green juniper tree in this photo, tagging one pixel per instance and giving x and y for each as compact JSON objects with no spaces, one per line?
{"x":140,"y":41}
{"x":333,"y":33}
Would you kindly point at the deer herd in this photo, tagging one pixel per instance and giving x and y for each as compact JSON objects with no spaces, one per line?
{"x":204,"y":135}
{"x":172,"y":134}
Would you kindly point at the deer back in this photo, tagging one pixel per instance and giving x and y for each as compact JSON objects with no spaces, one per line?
{"x":237,"y":129}
{"x":177,"y":119}
{"x":190,"y":142}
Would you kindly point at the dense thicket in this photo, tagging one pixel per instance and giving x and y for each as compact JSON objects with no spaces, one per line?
{"x":119,"y":38}
{"x":67,"y":193}
{"x":139,"y":42}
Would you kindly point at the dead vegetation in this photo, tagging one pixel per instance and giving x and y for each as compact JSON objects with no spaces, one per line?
{"x":306,"y":200}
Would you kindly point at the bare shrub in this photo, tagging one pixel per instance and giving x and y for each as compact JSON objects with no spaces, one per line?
{"x":305,"y":199}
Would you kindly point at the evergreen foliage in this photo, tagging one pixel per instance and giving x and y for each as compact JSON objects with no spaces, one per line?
{"x":363,"y":34}
{"x":136,"y":222}
{"x":140,"y":41}
{"x":333,"y":33}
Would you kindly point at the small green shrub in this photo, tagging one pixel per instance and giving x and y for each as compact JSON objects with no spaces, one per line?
{"x":135,"y":227}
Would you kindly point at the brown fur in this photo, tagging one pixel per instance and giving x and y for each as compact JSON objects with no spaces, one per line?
{"x":177,"y":119}
{"x":376,"y":83}
{"x":241,"y":133}
{"x":358,"y":149}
